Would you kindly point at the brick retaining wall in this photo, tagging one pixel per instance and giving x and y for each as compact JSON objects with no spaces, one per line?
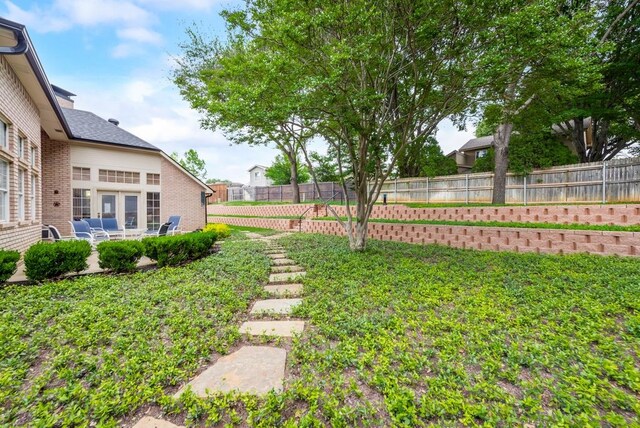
{"x":585,"y":214}
{"x":481,"y":238}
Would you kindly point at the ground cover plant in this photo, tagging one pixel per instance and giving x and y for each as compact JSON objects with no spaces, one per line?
{"x":94,"y":349}
{"x":414,"y":335}
{"x":408,"y":335}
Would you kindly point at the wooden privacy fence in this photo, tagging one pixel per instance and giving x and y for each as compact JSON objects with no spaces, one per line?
{"x":308,"y":192}
{"x":611,"y":181}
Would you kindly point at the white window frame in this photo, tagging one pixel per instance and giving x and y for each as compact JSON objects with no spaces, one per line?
{"x":4,"y":191}
{"x":4,"y":134}
{"x":33,"y":197}
{"x":482,"y":153}
{"x":21,"y":144}
{"x":20,"y":193}
{"x":34,"y":155}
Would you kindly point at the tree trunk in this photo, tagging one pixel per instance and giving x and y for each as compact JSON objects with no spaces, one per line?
{"x":578,"y":139}
{"x":501,"y":147}
{"x":295,"y":188}
{"x":358,"y":233}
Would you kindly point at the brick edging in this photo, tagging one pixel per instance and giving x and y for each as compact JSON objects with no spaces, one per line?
{"x":520,"y":240}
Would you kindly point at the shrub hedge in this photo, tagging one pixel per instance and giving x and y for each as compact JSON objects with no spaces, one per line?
{"x":179,"y":249}
{"x":8,"y":264}
{"x":48,"y":260}
{"x":222,"y":230}
{"x":120,"y":256}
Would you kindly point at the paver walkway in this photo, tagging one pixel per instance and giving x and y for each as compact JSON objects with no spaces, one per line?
{"x":255,"y":369}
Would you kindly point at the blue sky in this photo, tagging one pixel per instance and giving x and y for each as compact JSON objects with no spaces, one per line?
{"x":117,"y":56}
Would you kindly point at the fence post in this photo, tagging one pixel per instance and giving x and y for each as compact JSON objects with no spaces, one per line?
{"x":395,"y":192}
{"x":604,"y":182}
{"x":524,"y":189}
{"x":333,"y":191}
{"x":427,"y":189}
{"x":466,"y":186}
{"x":281,"y":193}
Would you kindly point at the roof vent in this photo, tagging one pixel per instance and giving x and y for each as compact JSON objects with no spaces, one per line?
{"x":114,"y":121}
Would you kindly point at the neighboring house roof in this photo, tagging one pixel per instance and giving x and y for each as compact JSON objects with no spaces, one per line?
{"x":62,"y":93}
{"x":477,"y":143}
{"x":257,"y":166}
{"x":88,"y":126}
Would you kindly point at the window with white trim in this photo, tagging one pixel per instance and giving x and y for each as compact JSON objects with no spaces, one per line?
{"x":21,"y":144}
{"x":21,"y":194}
{"x":4,"y":134}
{"x":81,"y":203}
{"x":4,"y":190}
{"x":34,"y":156}
{"x":32,"y":195}
{"x":481,"y":153}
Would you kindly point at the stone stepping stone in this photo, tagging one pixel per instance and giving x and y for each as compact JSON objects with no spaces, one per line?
{"x":284,"y":289}
{"x":275,"y":306}
{"x":286,"y":276}
{"x":149,"y":422}
{"x":286,"y":268}
{"x":272,"y":328}
{"x":282,"y":262}
{"x":277,"y":256}
{"x":251,"y":369}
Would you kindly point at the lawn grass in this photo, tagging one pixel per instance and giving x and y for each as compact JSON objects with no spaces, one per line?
{"x":96,"y":348}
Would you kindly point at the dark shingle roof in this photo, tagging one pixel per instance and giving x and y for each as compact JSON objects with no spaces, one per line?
{"x":477,"y":143}
{"x":85,"y":125}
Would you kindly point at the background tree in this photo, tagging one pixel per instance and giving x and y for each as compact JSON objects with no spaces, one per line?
{"x":325,"y":167}
{"x":244,"y":90}
{"x":535,"y":53}
{"x":191,"y":162}
{"x":280,"y":171}
{"x":425,"y":160}
{"x":612,"y":112}
{"x":217,"y":180}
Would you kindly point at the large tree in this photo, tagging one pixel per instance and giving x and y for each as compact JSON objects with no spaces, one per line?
{"x":280,"y":171}
{"x":369,"y":76}
{"x":425,"y":159}
{"x":534,"y":53}
{"x":610,"y":116}
{"x":243,"y":89}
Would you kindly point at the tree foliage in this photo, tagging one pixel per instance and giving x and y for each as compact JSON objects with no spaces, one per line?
{"x":325,"y":167}
{"x":191,"y":162}
{"x":280,"y":171}
{"x":425,"y":160}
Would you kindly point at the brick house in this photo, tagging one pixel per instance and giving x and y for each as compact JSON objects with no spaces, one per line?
{"x":59,"y":163}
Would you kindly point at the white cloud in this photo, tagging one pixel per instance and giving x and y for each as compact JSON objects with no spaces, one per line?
{"x":36,"y":19}
{"x":450,"y":138}
{"x":141,"y":35}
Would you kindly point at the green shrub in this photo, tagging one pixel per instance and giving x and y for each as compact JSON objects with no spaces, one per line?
{"x":47,"y":260}
{"x":179,"y":249}
{"x":222,"y":230}
{"x":8,"y":264}
{"x":120,"y":256}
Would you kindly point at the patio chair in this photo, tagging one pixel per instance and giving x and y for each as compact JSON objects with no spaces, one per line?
{"x":164,"y":228}
{"x":175,"y":225}
{"x":95,"y":224}
{"x":53,"y":234}
{"x":82,"y":230}
{"x":111,"y":226}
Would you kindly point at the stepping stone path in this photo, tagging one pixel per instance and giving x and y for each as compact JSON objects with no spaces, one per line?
{"x":254,"y":369}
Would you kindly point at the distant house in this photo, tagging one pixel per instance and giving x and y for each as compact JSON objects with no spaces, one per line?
{"x":58,"y":163}
{"x":257,"y":177}
{"x":478,"y":147}
{"x":473,"y":149}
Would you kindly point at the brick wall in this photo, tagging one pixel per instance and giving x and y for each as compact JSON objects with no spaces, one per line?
{"x":18,"y":110}
{"x":19,"y":238}
{"x":180,"y":195}
{"x":585,"y":214}
{"x":481,"y":238}
{"x":56,"y":184}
